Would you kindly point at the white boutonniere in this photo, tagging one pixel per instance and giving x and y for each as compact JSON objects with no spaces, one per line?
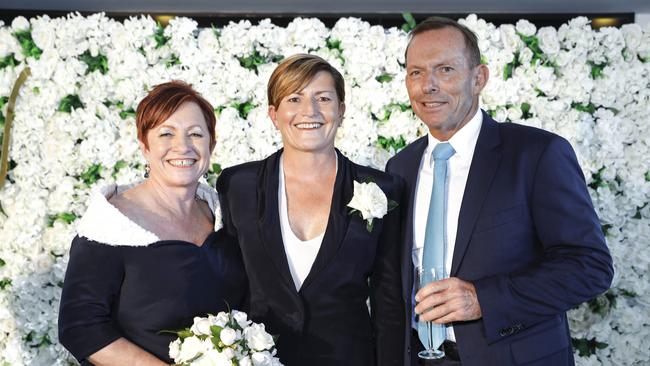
{"x":370,"y":202}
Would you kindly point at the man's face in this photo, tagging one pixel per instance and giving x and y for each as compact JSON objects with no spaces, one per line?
{"x":443,"y":88}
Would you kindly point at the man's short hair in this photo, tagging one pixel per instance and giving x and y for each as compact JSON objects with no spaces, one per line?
{"x":471,"y":41}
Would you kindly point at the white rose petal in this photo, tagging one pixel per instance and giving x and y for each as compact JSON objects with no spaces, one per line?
{"x":228,"y":336}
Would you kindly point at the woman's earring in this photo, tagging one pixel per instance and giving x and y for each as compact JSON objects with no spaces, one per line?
{"x":147,"y":170}
{"x":205,"y":175}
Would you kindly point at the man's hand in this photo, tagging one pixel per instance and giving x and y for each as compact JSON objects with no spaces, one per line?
{"x":446,"y":301}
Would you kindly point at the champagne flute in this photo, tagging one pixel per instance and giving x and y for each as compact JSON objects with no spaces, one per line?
{"x":433,"y":330}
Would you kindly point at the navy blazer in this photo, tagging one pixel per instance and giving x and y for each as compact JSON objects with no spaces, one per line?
{"x":528,"y":239}
{"x":327,"y":322}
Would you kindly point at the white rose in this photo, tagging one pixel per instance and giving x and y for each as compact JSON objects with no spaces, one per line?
{"x":548,"y":41}
{"x":220,"y":319}
{"x":257,"y":338}
{"x":201,"y":326}
{"x":509,"y":37}
{"x":175,"y":349}
{"x":525,"y":27}
{"x":262,"y":358}
{"x":190,"y":348}
{"x":246,"y":361}
{"x":370,"y":200}
{"x":228,"y":336}
{"x":241,"y":318}
{"x":212,"y":357}
{"x":20,"y":24}
{"x":633,"y":35}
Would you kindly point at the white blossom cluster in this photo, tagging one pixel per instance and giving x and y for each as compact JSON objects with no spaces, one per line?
{"x":225,"y":339}
{"x":74,"y":129}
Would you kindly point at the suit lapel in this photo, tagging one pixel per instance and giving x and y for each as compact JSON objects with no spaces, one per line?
{"x":338,"y":220}
{"x":481,"y":173}
{"x":408,"y":168}
{"x":411,"y":167}
{"x":269,"y":224}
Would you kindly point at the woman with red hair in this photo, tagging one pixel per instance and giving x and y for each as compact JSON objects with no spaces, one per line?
{"x":148,"y":257}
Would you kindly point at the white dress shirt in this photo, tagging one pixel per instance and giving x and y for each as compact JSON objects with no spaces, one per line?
{"x":301,"y":254}
{"x":463,"y":142}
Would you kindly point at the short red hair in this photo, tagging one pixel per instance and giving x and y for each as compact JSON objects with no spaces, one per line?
{"x":163,"y":101}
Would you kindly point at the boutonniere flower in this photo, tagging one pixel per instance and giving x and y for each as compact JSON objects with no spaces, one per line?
{"x":370,"y":202}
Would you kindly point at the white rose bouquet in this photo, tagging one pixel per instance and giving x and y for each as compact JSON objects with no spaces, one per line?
{"x":370,"y":202}
{"x":228,"y":339}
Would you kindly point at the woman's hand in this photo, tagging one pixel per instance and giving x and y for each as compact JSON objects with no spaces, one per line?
{"x":123,"y":352}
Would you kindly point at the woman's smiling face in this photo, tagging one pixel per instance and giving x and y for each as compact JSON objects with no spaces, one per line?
{"x":179,"y":149}
{"x":309,"y":118}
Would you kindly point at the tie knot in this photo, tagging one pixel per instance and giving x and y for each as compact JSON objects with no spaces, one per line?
{"x":443,"y":151}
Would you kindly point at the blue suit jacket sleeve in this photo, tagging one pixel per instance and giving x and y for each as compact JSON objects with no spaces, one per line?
{"x":576,"y":264}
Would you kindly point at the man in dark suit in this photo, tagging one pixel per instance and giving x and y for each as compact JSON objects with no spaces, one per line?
{"x":521,"y":241}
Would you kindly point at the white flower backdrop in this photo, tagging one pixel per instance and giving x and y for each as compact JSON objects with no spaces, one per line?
{"x":74,"y":130}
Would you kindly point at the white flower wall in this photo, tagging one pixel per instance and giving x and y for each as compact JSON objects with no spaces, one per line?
{"x":74,"y":129}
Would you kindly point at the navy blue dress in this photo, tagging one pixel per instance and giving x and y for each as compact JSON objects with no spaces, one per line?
{"x":113,"y":291}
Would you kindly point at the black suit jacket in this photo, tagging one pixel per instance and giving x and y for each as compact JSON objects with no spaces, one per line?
{"x":327,"y":322}
{"x":528,"y":239}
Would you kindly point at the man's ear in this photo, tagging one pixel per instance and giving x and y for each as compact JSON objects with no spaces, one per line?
{"x":481,"y":76}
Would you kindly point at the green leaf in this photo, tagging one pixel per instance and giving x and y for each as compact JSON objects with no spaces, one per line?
{"x":160,"y":37}
{"x":605,"y":228}
{"x":587,"y":347}
{"x":27,"y":44}
{"x":120,"y":164}
{"x":525,"y":111}
{"x":127,"y":113}
{"x":597,"y":69}
{"x":647,"y":176}
{"x":99,"y":62}
{"x":216,"y":168}
{"x":173,"y":60}
{"x":216,"y":330}
{"x":392,"y":205}
{"x":256,"y":59}
{"x":603,"y":304}
{"x":391,"y":143}
{"x":70,"y":102}
{"x":628,"y":293}
{"x":215,"y":30}
{"x":509,"y":68}
{"x":4,"y":283}
{"x":185,"y":333}
{"x":2,"y":262}
{"x":484,"y":60}
{"x":91,"y":175}
{"x":384,"y":78}
{"x":410,"y":22}
{"x":8,"y":60}
{"x":369,"y":224}
{"x":3,"y":101}
{"x":243,"y":108}
{"x":333,"y":44}
{"x":67,"y":217}
{"x":588,"y":108}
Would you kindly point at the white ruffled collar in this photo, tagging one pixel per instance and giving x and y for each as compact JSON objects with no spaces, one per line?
{"x":104,"y":223}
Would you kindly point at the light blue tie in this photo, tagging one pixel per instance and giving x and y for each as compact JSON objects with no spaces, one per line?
{"x":435,"y":238}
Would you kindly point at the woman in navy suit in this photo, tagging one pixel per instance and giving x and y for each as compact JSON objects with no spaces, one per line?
{"x":311,"y":262}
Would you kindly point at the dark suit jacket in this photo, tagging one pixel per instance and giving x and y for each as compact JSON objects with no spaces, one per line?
{"x":528,"y":239}
{"x":327,"y":322}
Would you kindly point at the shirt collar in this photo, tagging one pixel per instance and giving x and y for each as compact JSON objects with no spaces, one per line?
{"x":463,"y":141}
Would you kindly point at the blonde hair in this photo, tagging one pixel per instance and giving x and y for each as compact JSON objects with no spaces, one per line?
{"x":295,"y":72}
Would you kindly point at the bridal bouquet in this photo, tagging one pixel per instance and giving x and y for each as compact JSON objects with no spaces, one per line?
{"x":228,"y":339}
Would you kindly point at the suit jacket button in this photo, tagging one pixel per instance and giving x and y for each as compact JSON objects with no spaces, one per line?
{"x":506,"y":331}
